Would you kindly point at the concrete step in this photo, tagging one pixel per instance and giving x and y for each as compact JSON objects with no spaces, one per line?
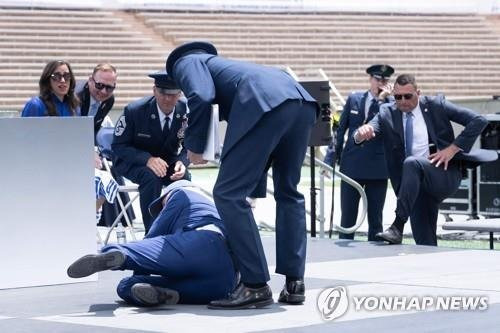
{"x":308,"y":21}
{"x":324,"y":17}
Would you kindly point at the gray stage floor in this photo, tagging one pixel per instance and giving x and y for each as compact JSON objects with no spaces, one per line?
{"x":364,"y":269}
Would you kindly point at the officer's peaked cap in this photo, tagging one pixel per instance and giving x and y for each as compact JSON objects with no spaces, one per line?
{"x":164,"y":81}
{"x":188,"y":48}
{"x":380,"y":71}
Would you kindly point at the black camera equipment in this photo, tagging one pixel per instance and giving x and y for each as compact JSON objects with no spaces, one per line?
{"x":321,"y":134}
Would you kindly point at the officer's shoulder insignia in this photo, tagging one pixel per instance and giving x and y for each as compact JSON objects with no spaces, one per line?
{"x":120,"y":126}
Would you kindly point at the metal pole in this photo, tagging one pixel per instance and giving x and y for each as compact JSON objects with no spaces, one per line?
{"x":321,"y":205}
{"x":313,"y":194}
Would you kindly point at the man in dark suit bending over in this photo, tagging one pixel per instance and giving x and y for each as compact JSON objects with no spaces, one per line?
{"x":421,"y":152}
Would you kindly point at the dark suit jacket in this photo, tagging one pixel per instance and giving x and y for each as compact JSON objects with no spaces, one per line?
{"x":243,"y":91}
{"x":82,"y":91}
{"x":138,"y":136}
{"x":364,"y":161}
{"x":438,"y":114}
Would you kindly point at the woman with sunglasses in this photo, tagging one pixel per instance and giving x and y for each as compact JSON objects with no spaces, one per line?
{"x":57,"y":93}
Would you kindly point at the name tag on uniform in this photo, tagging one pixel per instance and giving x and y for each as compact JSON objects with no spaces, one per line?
{"x":354,"y":111}
{"x":142,"y":135}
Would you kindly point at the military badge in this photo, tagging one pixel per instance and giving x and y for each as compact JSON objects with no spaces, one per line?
{"x":120,"y":126}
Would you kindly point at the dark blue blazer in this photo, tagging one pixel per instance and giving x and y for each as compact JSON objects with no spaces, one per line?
{"x":83,"y":93}
{"x":185,"y":210}
{"x":138,"y":136}
{"x":366,"y":160}
{"x":438,"y":114}
{"x":243,"y":91}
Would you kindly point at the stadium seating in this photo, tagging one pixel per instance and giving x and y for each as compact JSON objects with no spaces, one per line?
{"x":458,"y":55}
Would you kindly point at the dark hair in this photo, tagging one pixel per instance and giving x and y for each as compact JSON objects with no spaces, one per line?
{"x":46,"y":90}
{"x":405,"y":79}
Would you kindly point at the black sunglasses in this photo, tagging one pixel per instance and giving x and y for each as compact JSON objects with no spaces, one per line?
{"x":58,"y":76}
{"x":101,"y":86}
{"x":405,"y":96}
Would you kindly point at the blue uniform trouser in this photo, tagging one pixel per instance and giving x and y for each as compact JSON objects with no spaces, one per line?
{"x":150,"y":186}
{"x":195,"y":263}
{"x":375,"y":190}
{"x":282,"y":136}
{"x":422,"y":188}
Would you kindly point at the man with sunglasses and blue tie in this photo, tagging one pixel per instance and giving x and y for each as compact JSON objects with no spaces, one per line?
{"x":424,"y":158}
{"x":96,"y":94}
{"x":365,"y":163}
{"x":148,"y":142}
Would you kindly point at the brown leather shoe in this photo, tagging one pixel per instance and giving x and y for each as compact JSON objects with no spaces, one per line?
{"x":244,"y":297}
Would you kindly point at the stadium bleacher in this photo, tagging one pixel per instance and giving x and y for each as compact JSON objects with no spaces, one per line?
{"x":454,"y":54}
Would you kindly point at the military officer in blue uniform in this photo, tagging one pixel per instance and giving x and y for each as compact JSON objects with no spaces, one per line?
{"x":364,"y":163}
{"x":269,"y":118}
{"x":184,"y":257}
{"x":148,"y":142}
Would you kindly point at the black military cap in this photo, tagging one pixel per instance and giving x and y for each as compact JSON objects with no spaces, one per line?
{"x":188,"y":48}
{"x":382,"y":72}
{"x":165,"y":82}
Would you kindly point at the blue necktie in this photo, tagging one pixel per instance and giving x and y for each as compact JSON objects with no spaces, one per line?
{"x":409,"y":134}
{"x":93,"y":109}
{"x":372,"y":110}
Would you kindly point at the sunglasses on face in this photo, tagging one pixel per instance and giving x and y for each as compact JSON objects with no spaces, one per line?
{"x":58,"y":76}
{"x":399,"y":97}
{"x":101,"y":86}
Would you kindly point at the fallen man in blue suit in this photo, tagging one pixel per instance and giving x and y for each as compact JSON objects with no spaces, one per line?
{"x":183,"y":258}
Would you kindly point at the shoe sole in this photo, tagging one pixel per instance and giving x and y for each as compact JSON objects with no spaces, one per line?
{"x":292,"y":299}
{"x":391,"y":242}
{"x":151,"y":296}
{"x":93,"y":263}
{"x":256,"y":305}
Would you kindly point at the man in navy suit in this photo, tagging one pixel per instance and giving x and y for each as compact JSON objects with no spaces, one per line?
{"x":423,"y":155}
{"x":269,"y":118}
{"x":184,"y":257}
{"x":96,"y":94}
{"x":364,"y":163}
{"x":148,"y":142}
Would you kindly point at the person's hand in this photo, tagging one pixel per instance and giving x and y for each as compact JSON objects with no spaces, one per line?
{"x":179,"y":171}
{"x":97,"y":161}
{"x":158,"y":166}
{"x":195,"y":158}
{"x":363,"y":133}
{"x":385,"y":91}
{"x":444,"y":156}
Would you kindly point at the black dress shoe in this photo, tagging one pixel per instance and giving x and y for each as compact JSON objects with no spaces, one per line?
{"x":151,"y":295}
{"x":391,"y":235}
{"x":93,"y":263}
{"x":244,"y":298}
{"x":293,"y":292}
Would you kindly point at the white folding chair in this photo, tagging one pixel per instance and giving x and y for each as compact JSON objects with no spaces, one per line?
{"x":104,"y":139}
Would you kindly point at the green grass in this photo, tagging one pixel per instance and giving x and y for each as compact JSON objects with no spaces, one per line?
{"x":474,"y":244}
